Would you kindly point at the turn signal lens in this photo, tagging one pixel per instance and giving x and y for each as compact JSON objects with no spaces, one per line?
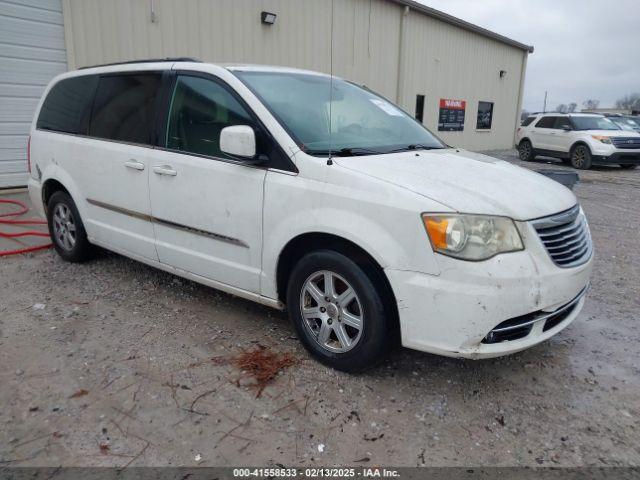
{"x":437,"y":230}
{"x":602,"y":138}
{"x":472,"y":237}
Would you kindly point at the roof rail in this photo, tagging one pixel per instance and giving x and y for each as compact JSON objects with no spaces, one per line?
{"x":146,"y":60}
{"x":551,"y":111}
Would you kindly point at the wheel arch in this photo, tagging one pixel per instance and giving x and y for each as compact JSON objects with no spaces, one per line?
{"x":305,"y":243}
{"x":49,"y":187}
{"x":523,"y":139}
{"x":580,"y":142}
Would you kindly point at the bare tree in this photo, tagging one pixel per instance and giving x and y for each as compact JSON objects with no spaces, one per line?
{"x":524,"y":115}
{"x":562,"y":108}
{"x":630,"y":102}
{"x":571,"y":107}
{"x":591,"y":103}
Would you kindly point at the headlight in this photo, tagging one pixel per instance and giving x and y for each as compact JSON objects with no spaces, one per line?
{"x":602,"y":138}
{"x":471,"y":237}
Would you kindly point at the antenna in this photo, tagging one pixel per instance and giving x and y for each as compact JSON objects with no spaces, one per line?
{"x":330,"y":159}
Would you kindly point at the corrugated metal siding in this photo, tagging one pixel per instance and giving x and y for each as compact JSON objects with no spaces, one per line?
{"x":230,"y":31}
{"x":445,"y":62}
{"x":32,"y":51}
{"x":439,"y":60}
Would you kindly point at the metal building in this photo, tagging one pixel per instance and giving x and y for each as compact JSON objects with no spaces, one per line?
{"x":463,"y":82}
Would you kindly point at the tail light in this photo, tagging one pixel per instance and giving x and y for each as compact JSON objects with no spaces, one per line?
{"x":519,"y":129}
{"x":29,"y":154}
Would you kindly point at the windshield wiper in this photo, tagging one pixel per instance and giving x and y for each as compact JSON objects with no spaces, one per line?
{"x":355,"y":151}
{"x":345,"y":152}
{"x":415,"y":146}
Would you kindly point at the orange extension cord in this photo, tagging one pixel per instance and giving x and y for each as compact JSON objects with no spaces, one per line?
{"x":29,"y":233}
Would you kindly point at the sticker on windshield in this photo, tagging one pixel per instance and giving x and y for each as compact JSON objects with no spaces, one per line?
{"x":386,"y":106}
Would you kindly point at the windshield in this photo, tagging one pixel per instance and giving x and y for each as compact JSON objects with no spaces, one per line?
{"x":358,"y":122}
{"x":593,"y":123}
{"x":626,"y":123}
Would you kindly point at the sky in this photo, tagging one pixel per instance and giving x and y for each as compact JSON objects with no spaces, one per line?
{"x":583,"y":48}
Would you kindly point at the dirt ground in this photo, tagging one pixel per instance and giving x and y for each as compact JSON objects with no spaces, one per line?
{"x":110,"y":363}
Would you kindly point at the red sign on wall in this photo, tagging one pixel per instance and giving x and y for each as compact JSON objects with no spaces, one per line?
{"x":451,"y":117}
{"x":453,"y":104}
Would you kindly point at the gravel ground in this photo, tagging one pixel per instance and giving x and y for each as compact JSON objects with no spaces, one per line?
{"x":109,"y":363}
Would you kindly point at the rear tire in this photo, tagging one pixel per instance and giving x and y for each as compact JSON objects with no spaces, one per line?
{"x":67,"y":230}
{"x":628,"y":167}
{"x":338,"y":311}
{"x":581,"y":157}
{"x":526,"y":152}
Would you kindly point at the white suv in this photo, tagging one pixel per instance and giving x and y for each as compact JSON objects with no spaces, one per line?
{"x":581,"y":139}
{"x":296,"y":190}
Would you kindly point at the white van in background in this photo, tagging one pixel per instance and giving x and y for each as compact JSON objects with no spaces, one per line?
{"x":357,"y":219}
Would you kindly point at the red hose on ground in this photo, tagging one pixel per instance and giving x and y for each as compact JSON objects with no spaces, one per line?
{"x":29,"y":233}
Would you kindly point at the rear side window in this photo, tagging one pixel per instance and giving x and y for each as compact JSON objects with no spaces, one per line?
{"x":200,"y":109}
{"x":67,"y":106}
{"x":528,"y":121}
{"x":546,"y":122}
{"x":124,"y":107}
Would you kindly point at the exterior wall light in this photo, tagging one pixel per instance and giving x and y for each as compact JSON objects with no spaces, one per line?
{"x":268,"y":18}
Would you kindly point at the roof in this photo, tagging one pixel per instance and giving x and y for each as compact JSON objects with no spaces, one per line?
{"x":451,"y":20}
{"x":567,"y":114}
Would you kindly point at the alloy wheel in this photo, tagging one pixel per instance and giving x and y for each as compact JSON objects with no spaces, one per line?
{"x":578,"y":157}
{"x":331,"y":311}
{"x":64,"y":226}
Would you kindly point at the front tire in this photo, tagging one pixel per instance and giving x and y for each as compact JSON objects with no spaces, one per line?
{"x":67,"y":230}
{"x":526,"y":152}
{"x":581,"y":157}
{"x":338,"y":311}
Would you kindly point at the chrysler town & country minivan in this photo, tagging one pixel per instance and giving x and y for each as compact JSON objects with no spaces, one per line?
{"x":306,"y":192}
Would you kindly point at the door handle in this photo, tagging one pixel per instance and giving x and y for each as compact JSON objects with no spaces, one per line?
{"x":134,"y":165}
{"x":165,"y":170}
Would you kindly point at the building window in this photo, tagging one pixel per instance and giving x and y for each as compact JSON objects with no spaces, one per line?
{"x":485,"y":115}
{"x":419,"y":107}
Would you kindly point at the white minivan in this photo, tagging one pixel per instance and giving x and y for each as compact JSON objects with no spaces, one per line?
{"x":306,"y":192}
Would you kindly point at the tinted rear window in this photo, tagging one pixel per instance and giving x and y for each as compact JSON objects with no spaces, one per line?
{"x":124,"y":108}
{"x":546,"y":122}
{"x":67,"y":105}
{"x":527,"y":121}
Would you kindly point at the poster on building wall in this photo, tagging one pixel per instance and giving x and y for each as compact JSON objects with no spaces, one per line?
{"x":451,"y":115}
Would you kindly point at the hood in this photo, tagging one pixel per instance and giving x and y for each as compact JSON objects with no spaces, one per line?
{"x":612,"y":133}
{"x":468,"y":182}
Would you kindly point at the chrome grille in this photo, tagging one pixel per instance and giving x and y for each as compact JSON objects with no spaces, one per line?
{"x":626,"y":142}
{"x":566,"y":237}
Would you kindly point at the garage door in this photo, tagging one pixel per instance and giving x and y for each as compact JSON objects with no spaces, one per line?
{"x":32,"y":52}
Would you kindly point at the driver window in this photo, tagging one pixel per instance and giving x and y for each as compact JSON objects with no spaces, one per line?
{"x":562,"y":123}
{"x":200,"y":109}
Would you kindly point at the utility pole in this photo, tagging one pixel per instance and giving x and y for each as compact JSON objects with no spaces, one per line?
{"x":544,"y":109}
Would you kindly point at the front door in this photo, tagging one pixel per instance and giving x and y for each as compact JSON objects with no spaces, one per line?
{"x":563,"y":138}
{"x":207,"y":207}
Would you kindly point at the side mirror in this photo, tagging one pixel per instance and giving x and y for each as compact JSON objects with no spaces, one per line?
{"x":567,"y":128}
{"x":239,"y":141}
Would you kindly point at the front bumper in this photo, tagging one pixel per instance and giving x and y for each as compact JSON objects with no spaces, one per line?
{"x":453,"y":313}
{"x":619,"y":158}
